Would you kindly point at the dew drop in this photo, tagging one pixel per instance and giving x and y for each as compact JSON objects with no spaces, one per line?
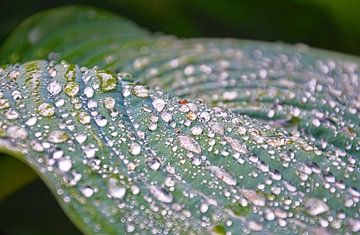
{"x":223,"y":175}
{"x":54,"y":88}
{"x":140,"y":91}
{"x":46,"y":110}
{"x":109,"y":103}
{"x":196,"y":130}
{"x":166,"y":116}
{"x":11,"y":114}
{"x":65,"y":164}
{"x":315,"y":206}
{"x":101,"y":121}
{"x":135,"y":149}
{"x":115,"y":189}
{"x":31,"y":121}
{"x":158,"y":104}
{"x":189,"y":144}
{"x":217,"y":127}
{"x":4,"y":104}
{"x":87,"y":191}
{"x":108,"y":81}
{"x":256,"y":198}
{"x":84,"y":118}
{"x":58,"y":136}
{"x":154,"y":163}
{"x":89,"y":92}
{"x":16,"y":132}
{"x":236,"y":145}
{"x":161,"y":194}
{"x":71,"y":89}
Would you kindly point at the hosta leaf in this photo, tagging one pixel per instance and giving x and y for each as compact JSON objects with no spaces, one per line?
{"x":45,"y":31}
{"x":122,"y":157}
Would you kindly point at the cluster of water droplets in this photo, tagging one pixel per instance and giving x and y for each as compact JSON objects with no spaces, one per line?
{"x":127,"y":158}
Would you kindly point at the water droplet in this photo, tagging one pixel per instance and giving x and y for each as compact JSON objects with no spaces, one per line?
{"x":255,"y":226}
{"x":46,"y":110}
{"x":316,"y":122}
{"x":189,"y":144}
{"x":16,"y":132}
{"x":140,"y":91}
{"x":256,"y":198}
{"x":58,"y":136}
{"x":87,"y":191}
{"x":115,"y":189}
{"x":223,"y":175}
{"x":71,"y":89}
{"x":153,"y":163}
{"x":108,"y":81}
{"x":161,"y":194}
{"x":315,"y":206}
{"x":204,"y":208}
{"x":236,"y":145}
{"x":166,"y":116}
{"x":11,"y":114}
{"x":84,"y":118}
{"x":65,"y":164}
{"x":109,"y":103}
{"x":196,"y":130}
{"x":89,"y":92}
{"x":4,"y":104}
{"x":31,"y":121}
{"x":217,"y":127}
{"x":101,"y":121}
{"x":54,"y":88}
{"x":135,"y":149}
{"x":158,"y":104}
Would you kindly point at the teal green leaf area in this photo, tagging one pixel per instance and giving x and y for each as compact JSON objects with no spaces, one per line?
{"x":151,"y":134}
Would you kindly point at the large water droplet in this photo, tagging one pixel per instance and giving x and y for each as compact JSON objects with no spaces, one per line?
{"x":46,"y":110}
{"x":115,"y":189}
{"x":315,"y":206}
{"x":58,"y":136}
{"x":223,"y":175}
{"x":189,"y":144}
{"x":161,"y":194}
{"x":236,"y":145}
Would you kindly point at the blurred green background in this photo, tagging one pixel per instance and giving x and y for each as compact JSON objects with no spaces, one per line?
{"x":328,"y":24}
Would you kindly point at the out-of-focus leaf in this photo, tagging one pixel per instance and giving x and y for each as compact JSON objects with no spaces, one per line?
{"x":33,"y":210}
{"x":60,"y":28}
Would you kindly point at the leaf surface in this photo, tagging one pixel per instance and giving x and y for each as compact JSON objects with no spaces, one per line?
{"x":120,"y":156}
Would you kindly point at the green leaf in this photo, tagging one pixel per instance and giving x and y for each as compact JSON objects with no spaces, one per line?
{"x":119,"y":156}
{"x":70,"y":25}
{"x":128,"y":158}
